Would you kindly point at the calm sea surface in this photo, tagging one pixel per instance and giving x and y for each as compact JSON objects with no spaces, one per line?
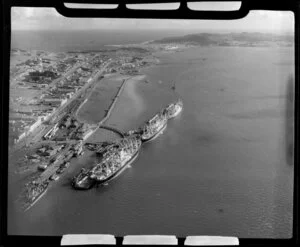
{"x":220,"y":168}
{"x":61,"y":41}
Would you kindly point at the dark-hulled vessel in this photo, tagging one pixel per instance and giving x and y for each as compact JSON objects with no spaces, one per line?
{"x":83,"y":181}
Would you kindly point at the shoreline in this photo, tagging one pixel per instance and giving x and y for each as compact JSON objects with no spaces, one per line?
{"x":129,"y":105}
{"x":140,"y":100}
{"x":129,"y":85}
{"x":185,"y":150}
{"x":111,"y":107}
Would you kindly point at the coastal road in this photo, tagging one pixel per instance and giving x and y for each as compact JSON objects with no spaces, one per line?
{"x":71,"y":70}
{"x":75,"y":96}
{"x":41,"y":130}
{"x":53,"y":167}
{"x":81,"y":90}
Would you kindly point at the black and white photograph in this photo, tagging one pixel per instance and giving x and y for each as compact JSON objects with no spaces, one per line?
{"x":131,"y":126}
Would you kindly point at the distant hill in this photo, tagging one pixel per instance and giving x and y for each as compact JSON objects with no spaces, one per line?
{"x":243,"y":38}
{"x":133,"y":49}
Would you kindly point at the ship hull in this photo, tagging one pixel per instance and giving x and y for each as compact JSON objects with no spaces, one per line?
{"x":151,"y":138}
{"x":85,"y":185}
{"x":83,"y":181}
{"x":117,"y":173}
{"x":35,"y":200}
{"x":175,"y":113}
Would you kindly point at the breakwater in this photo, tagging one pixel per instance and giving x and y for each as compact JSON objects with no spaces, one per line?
{"x":111,"y":107}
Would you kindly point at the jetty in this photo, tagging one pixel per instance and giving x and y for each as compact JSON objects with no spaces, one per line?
{"x":112,"y":105}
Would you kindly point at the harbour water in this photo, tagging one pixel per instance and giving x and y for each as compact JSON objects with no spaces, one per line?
{"x":219,"y":168}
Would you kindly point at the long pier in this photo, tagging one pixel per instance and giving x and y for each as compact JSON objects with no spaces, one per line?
{"x":112,"y":105}
{"x":108,"y":112}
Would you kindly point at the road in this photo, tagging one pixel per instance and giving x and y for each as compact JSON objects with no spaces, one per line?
{"x":42,"y":129}
{"x":53,"y":167}
{"x":73,"y":69}
{"x":80,"y":91}
{"x":51,"y":170}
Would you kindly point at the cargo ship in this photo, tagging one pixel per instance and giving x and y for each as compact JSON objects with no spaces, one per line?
{"x":154,"y":127}
{"x":83,"y":181}
{"x":103,"y":148}
{"x":97,"y":146}
{"x":173,"y":109}
{"x":35,"y":191}
{"x":116,"y":159}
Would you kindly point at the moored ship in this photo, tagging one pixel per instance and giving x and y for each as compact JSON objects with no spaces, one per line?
{"x":35,"y":191}
{"x":83,"y":181}
{"x":173,"y":109}
{"x":116,"y":159}
{"x":103,"y":148}
{"x":154,"y":127}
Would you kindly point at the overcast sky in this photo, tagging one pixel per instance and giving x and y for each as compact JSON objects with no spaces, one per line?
{"x":50,"y":19}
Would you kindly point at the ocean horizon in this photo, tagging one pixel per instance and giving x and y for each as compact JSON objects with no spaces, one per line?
{"x":84,"y":40}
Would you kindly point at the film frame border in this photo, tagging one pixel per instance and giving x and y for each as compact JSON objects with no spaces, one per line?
{"x":122,"y":12}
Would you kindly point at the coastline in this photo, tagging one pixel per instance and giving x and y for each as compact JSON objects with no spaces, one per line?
{"x":115,"y":99}
{"x":226,"y":112}
{"x":122,"y":101}
{"x":162,"y":160}
{"x":94,"y":108}
{"x":127,"y":99}
{"x":133,"y":104}
{"x":140,"y":100}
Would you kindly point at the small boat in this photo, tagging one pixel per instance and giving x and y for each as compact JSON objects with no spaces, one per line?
{"x":67,"y":164}
{"x":174,"y":86}
{"x":42,"y":167}
{"x":61,"y":169}
{"x":54,"y":177}
{"x":83,"y":181}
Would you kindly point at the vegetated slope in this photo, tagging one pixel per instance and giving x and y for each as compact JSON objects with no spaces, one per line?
{"x":205,"y":39}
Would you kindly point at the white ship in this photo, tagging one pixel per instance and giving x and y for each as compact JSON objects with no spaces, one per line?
{"x":116,"y":159}
{"x":173,"y":109}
